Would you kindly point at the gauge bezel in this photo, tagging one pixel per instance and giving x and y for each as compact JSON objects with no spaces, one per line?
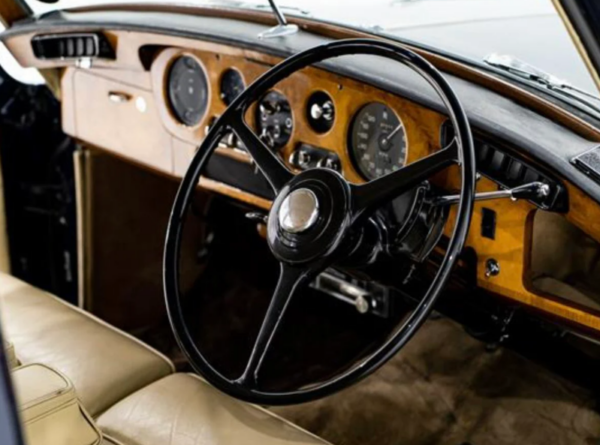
{"x":167,"y":95}
{"x":350,"y":149}
{"x":225,"y":71}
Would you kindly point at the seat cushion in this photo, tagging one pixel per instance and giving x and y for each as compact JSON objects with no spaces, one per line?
{"x":104,"y":364}
{"x":182,"y":409}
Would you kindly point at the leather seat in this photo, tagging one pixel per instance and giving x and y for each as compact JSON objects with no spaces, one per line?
{"x":104,"y":364}
{"x":126,"y":385}
{"x":182,"y":409}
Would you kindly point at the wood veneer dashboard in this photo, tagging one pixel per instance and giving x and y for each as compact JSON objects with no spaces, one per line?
{"x":139,"y":125}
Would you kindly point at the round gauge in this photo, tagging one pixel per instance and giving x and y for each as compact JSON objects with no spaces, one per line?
{"x":274,"y":120}
{"x":232,"y":85}
{"x":188,"y":90}
{"x":377,"y":140}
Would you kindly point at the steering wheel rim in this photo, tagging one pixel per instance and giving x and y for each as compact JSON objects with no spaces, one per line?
{"x":356,"y":201}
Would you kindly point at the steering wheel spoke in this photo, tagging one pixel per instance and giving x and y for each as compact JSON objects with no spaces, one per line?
{"x":268,"y":162}
{"x":290,"y":278}
{"x":370,"y":196}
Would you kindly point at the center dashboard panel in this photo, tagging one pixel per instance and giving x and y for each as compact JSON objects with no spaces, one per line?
{"x":156,"y":103}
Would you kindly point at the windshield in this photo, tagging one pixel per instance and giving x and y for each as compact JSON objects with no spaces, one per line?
{"x":530,"y":30}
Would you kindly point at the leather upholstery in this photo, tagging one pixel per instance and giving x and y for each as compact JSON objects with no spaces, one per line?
{"x":49,"y":409}
{"x":107,"y":440}
{"x":11,"y":358}
{"x":182,"y":409}
{"x":104,"y":364}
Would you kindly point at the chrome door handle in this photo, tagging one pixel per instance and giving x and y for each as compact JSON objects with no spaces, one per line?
{"x":118,"y":97}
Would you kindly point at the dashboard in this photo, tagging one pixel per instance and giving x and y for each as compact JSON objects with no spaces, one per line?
{"x":154,"y":101}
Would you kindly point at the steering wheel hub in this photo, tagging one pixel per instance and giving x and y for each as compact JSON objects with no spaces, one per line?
{"x":299,"y":211}
{"x":309,"y":217}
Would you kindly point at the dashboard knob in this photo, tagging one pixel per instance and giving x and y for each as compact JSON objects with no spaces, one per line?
{"x":330,"y":163}
{"x":316,"y":111}
{"x":268,"y":108}
{"x":324,"y":111}
{"x":267,"y":138}
{"x":328,"y":111}
{"x":301,"y":159}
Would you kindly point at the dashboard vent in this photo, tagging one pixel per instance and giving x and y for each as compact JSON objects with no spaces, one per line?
{"x":494,"y":161}
{"x":71,"y":46}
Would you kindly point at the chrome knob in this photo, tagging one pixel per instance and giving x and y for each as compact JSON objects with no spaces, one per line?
{"x":330,"y":163}
{"x":300,"y":158}
{"x":325,"y":111}
{"x":361,"y":304}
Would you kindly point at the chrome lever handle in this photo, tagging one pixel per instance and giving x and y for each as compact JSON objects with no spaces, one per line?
{"x":526,"y":191}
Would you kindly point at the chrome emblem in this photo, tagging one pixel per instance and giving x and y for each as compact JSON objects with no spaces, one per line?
{"x":299,"y":211}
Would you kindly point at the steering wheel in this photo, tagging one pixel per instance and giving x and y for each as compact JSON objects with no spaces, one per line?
{"x":310,"y":221}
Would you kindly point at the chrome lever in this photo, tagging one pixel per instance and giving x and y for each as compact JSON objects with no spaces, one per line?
{"x":258,"y":217}
{"x":531,"y":190}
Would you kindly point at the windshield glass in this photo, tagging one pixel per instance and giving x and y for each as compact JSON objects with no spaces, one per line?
{"x":529,"y":30}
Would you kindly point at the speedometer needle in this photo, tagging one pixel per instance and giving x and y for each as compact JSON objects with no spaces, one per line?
{"x":386,"y":139}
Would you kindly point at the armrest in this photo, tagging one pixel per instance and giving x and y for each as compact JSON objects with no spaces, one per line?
{"x":50,"y":411}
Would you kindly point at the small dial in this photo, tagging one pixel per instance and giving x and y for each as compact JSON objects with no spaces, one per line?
{"x":274,"y":120}
{"x":377,"y":140}
{"x":187,"y":90}
{"x":232,"y":85}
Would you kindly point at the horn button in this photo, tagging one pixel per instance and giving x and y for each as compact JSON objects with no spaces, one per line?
{"x":299,"y":211}
{"x":309,"y":217}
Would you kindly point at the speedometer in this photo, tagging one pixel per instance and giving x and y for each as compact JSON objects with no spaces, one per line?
{"x":377,"y":140}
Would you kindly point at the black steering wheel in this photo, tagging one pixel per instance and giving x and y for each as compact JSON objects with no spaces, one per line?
{"x":311,"y":218}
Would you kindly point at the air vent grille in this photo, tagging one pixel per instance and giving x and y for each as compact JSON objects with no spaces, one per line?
{"x":71,"y":46}
{"x":508,"y":170}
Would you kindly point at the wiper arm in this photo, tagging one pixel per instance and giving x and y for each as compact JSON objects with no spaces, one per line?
{"x":526,"y":71}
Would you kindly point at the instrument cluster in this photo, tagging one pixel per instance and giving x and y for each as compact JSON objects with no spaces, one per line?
{"x":376,"y":136}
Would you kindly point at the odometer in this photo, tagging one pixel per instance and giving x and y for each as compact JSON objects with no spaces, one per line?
{"x":377,"y":140}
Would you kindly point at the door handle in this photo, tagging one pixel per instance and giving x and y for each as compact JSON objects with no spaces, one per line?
{"x":118,"y":97}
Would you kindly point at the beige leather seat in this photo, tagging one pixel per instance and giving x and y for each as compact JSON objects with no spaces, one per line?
{"x":182,"y":409}
{"x":178,"y":410}
{"x":104,"y":364}
{"x":123,"y":383}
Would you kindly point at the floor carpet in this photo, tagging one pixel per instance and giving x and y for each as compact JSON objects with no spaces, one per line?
{"x":445,"y":389}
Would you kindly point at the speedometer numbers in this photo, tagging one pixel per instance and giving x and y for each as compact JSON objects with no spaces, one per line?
{"x":377,"y":140}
